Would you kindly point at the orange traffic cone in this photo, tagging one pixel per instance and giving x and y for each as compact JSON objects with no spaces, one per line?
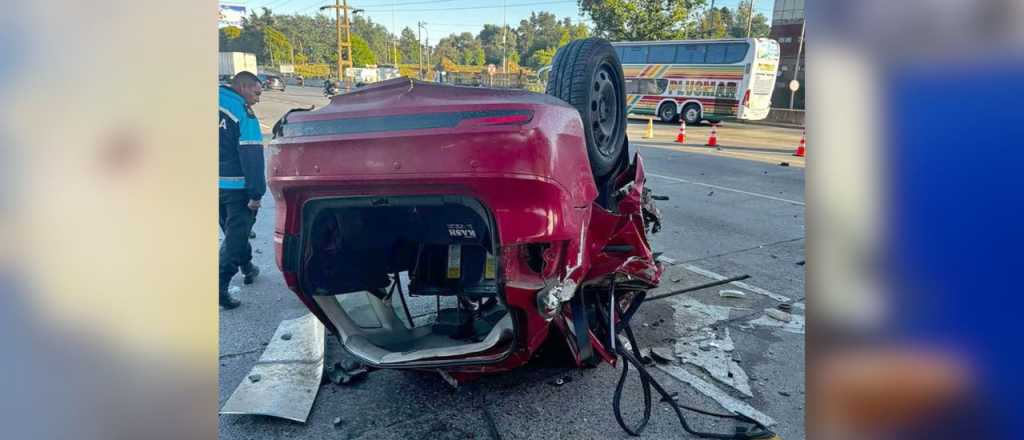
{"x":713,"y":139}
{"x":681,"y":137}
{"x":802,"y":148}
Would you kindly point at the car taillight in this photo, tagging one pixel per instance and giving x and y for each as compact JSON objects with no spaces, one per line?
{"x":510,"y":119}
{"x":746,"y":98}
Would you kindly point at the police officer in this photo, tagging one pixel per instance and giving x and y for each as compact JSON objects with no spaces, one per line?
{"x":242,"y":183}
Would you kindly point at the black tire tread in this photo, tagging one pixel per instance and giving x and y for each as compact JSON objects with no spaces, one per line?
{"x":569,"y":79}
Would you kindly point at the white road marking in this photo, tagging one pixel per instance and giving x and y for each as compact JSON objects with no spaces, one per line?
{"x":723,"y":188}
{"x":740,"y":284}
{"x":704,"y":387}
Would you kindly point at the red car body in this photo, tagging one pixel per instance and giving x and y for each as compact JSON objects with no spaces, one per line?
{"x":522,"y":155}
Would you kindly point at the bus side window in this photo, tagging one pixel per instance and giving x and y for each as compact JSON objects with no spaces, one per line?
{"x":690,"y":54}
{"x":716,"y":54}
{"x":632,"y":87}
{"x":736,"y":52}
{"x":634,"y":55}
{"x":662,"y":54}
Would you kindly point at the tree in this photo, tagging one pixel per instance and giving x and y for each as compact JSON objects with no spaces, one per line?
{"x":738,"y":28}
{"x":361,"y":53}
{"x":278,"y":48}
{"x":408,"y":46}
{"x":491,"y":37}
{"x":716,"y":23}
{"x":376,"y":36}
{"x":543,"y":57}
{"x":640,"y":20}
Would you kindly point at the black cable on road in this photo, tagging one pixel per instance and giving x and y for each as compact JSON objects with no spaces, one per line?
{"x":698,"y":287}
{"x":755,"y":431}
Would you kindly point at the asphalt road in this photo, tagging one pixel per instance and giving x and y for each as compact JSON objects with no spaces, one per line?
{"x":727,"y":215}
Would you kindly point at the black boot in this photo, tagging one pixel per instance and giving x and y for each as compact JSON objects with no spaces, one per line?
{"x":249,"y":274}
{"x":227,"y":302}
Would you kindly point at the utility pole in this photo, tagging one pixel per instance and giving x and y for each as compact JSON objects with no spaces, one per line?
{"x":796,"y":68}
{"x":421,"y":26}
{"x":341,"y":9}
{"x":504,"y":31}
{"x":419,"y":53}
{"x":750,"y":17}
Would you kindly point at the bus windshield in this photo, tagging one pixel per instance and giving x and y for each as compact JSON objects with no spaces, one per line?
{"x":700,"y":79}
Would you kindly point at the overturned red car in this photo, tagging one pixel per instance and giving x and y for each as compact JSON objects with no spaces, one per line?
{"x":514,"y":212}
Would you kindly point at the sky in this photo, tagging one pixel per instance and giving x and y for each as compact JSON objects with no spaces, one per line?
{"x":444,"y":17}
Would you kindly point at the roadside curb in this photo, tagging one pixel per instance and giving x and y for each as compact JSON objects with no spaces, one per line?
{"x":770,"y":124}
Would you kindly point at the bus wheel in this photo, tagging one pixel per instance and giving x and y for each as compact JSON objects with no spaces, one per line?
{"x":667,"y":112}
{"x":587,"y":74}
{"x":691,"y":114}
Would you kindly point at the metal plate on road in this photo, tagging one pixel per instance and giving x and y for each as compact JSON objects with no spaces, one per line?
{"x":285,"y":380}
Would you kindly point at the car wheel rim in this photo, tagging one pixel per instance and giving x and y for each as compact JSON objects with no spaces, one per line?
{"x":604,"y":110}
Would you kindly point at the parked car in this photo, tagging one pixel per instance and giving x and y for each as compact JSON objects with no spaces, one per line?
{"x":271,"y":82}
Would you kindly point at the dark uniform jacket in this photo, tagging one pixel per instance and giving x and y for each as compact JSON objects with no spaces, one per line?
{"x":241,"y":146}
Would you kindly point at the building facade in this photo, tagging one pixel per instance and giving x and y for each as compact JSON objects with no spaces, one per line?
{"x":787,"y":29}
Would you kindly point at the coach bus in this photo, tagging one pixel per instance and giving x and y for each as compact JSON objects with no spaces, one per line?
{"x":700,"y":79}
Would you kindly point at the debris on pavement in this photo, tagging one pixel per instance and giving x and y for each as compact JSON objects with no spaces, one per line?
{"x":234,"y":290}
{"x":285,"y":380}
{"x":336,"y":421}
{"x":345,"y":374}
{"x":784,"y":164}
{"x":714,"y":357}
{"x":731,"y":293}
{"x":778,"y":315}
{"x":667,"y":260}
{"x":706,"y":388}
{"x":662,"y":354}
{"x":785,"y":307}
{"x":561,"y":381}
{"x":796,"y":325}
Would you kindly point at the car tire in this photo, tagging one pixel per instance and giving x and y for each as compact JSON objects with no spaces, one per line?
{"x":587,"y":74}
{"x":667,"y":112}
{"x":691,"y":114}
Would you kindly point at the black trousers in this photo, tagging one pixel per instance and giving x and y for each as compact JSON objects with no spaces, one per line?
{"x":236,"y":220}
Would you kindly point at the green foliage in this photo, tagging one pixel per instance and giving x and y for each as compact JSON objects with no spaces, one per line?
{"x":313,"y":70}
{"x":278,"y":48}
{"x":640,"y":20}
{"x":377,"y":37}
{"x":532,"y":42}
{"x":230,"y":33}
{"x":758,"y":26}
{"x":361,"y":53}
{"x":542,"y":57}
{"x":408,"y":47}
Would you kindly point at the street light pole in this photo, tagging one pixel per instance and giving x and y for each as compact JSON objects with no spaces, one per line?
{"x":750,"y":17}
{"x":421,"y":26}
{"x":419,"y":53}
{"x":796,"y":68}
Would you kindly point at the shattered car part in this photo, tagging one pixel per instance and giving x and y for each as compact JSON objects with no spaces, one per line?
{"x":285,"y":380}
